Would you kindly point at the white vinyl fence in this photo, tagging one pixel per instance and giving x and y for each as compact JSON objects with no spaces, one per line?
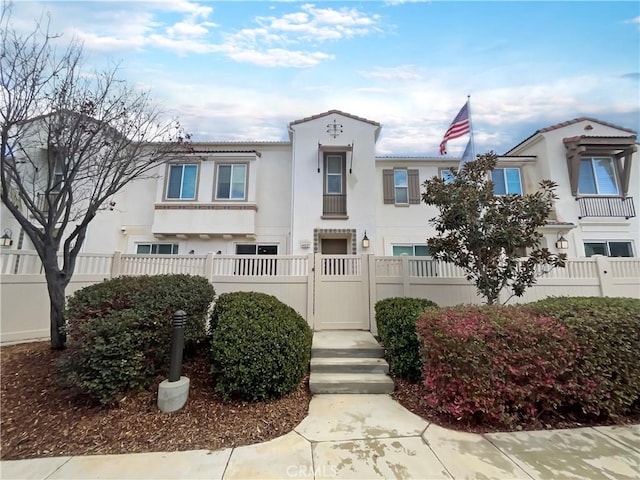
{"x":329,"y":291}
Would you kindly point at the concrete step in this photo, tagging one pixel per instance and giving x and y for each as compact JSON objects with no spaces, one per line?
{"x":349,"y":365}
{"x":373,"y":352}
{"x":345,"y":344}
{"x":350,"y":383}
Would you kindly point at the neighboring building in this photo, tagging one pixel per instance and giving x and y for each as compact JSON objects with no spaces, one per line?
{"x":595,"y":165}
{"x":324,"y":189}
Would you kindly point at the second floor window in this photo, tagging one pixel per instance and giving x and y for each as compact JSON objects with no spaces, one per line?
{"x":182,"y":182}
{"x":57,"y":161}
{"x":401,"y":185}
{"x":447,"y":175}
{"x":506,"y":181}
{"x":334,"y":175}
{"x":231,"y":182}
{"x":597,"y":177}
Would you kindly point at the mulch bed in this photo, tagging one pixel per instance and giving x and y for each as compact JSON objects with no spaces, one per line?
{"x":40,"y":419}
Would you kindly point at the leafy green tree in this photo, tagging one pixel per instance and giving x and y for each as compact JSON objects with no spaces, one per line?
{"x":484,"y":233}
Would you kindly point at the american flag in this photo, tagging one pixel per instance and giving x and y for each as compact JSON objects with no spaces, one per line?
{"x":459,"y":127}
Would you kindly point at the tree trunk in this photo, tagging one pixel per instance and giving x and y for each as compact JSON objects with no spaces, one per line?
{"x":57,"y":282}
{"x":56,"y":288}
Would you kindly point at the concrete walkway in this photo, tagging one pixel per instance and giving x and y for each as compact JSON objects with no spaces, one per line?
{"x":368,"y":437}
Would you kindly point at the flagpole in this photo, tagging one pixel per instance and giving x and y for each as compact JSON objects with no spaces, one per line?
{"x":473,"y":146}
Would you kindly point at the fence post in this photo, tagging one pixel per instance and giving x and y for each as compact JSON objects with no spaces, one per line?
{"x":208,"y":267}
{"x":405,"y":275}
{"x":116,"y":264}
{"x":311,"y":289}
{"x":603,"y":267}
{"x":373,"y":293}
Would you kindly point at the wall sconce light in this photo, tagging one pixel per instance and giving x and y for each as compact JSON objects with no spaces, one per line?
{"x":365,"y":240}
{"x":562,"y":243}
{"x":7,"y":238}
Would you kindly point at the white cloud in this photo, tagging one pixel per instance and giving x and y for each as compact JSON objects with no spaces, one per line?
{"x":271,"y":43}
{"x":190,"y":29}
{"x":278,"y":57}
{"x":322,"y":24}
{"x":401,"y":73}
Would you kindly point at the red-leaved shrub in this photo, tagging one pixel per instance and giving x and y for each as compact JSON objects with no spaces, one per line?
{"x":498,"y":365}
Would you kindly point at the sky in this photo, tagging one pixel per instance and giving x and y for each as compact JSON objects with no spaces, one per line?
{"x":242,"y":70}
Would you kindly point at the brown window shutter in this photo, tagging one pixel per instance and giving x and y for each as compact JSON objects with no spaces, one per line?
{"x":414,"y":187}
{"x":388,"y":190}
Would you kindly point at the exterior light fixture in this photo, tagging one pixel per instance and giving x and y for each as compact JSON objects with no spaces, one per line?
{"x":365,"y":240}
{"x":6,"y":240}
{"x":562,"y":243}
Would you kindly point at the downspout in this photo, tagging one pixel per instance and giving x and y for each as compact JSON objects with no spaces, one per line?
{"x":293,"y":181}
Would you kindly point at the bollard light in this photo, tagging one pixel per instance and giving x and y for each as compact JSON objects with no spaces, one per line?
{"x":177,"y":345}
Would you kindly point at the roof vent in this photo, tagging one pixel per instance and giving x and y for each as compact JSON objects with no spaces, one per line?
{"x":588,"y":127}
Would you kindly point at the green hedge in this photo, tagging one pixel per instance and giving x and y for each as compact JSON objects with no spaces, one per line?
{"x":156,"y":297}
{"x":396,"y":319}
{"x":260,"y":347}
{"x":498,"y":365}
{"x":608,"y":332}
{"x":120,"y":331}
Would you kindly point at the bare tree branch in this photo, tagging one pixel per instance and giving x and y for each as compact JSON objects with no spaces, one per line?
{"x":71,"y":139}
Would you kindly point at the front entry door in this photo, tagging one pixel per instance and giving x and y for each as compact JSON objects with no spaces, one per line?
{"x":333,"y":246}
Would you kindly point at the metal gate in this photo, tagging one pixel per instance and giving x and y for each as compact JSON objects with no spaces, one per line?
{"x":341,"y":292}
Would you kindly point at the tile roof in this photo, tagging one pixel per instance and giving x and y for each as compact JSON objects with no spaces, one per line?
{"x":344,"y":114}
{"x":583,"y":119}
{"x":570,"y":122}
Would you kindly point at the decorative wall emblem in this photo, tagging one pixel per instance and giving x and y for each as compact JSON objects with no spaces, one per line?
{"x":334,"y":129}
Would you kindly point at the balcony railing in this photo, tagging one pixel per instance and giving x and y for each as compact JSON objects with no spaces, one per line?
{"x":606,"y":207}
{"x":334,"y":205}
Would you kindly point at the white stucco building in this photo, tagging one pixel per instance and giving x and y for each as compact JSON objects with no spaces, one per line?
{"x":325,"y":188}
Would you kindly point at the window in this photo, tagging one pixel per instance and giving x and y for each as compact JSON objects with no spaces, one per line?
{"x":253,"y":249}
{"x":401,"y":186}
{"x":334,"y":175}
{"x":182,"y":182}
{"x":157,"y":248}
{"x":411,"y":250}
{"x":447,"y":176}
{"x":609,"y":249}
{"x":597,"y":177}
{"x":57,"y":159}
{"x":258,"y":265}
{"x":232,"y":180}
{"x":506,"y":181}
